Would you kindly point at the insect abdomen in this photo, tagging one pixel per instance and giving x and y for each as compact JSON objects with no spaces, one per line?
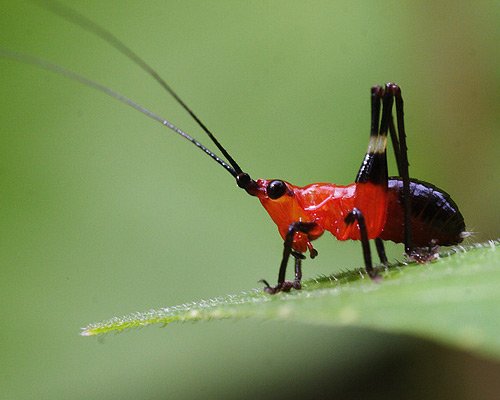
{"x":435,"y":218}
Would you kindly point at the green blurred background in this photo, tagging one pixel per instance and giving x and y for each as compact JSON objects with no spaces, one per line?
{"x":103,"y":212}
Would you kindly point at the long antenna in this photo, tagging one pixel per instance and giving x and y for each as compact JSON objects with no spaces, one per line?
{"x":88,"y":25}
{"x":57,"y":69}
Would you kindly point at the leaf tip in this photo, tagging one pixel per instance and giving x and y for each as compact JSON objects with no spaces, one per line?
{"x":87,"y":332}
{"x":92,"y":330}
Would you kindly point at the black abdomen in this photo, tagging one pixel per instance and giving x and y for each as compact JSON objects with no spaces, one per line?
{"x":435,"y":218}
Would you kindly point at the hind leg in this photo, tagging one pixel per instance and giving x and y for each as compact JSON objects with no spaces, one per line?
{"x":398,"y":138}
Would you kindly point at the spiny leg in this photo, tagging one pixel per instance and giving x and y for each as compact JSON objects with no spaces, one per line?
{"x":374,"y":167}
{"x":357,"y":215}
{"x":392,"y":93}
{"x":404,"y":168}
{"x":401,"y":154}
{"x":283,"y":285}
{"x":395,"y":145}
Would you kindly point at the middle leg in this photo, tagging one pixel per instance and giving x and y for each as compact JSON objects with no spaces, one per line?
{"x":357,"y":215}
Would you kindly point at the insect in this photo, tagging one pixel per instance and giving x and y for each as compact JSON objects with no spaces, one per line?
{"x":375,"y":207}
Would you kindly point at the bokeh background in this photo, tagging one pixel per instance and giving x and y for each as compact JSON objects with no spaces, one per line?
{"x":103,"y":212}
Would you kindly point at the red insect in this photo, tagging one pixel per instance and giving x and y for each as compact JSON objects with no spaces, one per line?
{"x":374,"y":207}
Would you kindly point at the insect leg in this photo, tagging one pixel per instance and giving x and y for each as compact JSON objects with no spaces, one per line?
{"x":298,"y":269}
{"x":398,"y":139}
{"x":374,"y":166}
{"x":357,"y":215}
{"x":404,"y":168}
{"x":381,"y":251}
{"x":395,"y":145}
{"x":284,"y":285}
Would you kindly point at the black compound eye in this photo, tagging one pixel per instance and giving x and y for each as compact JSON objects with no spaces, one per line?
{"x":276,"y":189}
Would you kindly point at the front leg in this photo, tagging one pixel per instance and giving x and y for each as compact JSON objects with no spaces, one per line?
{"x":284,"y":285}
{"x":298,"y":270}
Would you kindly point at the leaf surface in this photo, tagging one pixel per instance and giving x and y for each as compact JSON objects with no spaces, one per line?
{"x":455,"y":301}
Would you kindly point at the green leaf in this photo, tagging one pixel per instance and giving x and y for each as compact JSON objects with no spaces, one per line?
{"x":454,"y":300}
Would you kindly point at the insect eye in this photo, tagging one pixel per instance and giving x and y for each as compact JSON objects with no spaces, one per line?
{"x":276,"y":189}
